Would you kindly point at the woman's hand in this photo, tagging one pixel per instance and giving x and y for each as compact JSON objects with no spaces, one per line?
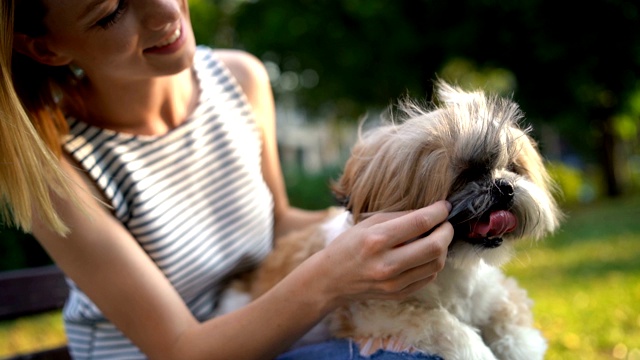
{"x":377,"y":259}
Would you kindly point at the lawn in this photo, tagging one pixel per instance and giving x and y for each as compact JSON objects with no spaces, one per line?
{"x":31,"y":333}
{"x":585,"y":282}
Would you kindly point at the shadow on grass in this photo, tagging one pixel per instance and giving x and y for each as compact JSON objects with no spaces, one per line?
{"x":599,"y":268}
{"x":603,"y":220}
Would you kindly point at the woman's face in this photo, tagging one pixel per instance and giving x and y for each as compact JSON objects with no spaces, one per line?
{"x":122,"y":39}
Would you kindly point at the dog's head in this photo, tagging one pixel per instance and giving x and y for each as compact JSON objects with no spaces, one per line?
{"x":469,"y":150}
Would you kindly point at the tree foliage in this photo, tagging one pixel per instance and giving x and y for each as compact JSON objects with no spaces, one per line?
{"x":574,"y":65}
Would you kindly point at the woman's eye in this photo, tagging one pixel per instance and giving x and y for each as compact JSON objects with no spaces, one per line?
{"x":113,"y":17}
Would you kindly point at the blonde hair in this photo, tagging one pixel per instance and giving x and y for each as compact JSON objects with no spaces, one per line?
{"x":29,"y":168}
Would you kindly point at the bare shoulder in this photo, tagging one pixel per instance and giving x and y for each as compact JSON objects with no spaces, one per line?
{"x":248,"y":70}
{"x":252,"y":77}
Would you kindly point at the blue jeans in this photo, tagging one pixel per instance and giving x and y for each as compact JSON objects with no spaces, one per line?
{"x":341,"y":349}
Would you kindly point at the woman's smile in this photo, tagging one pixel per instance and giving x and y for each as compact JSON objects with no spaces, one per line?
{"x":172,"y":38}
{"x":170,"y":44}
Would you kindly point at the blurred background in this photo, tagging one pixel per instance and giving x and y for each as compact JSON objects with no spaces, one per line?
{"x":573,"y":67}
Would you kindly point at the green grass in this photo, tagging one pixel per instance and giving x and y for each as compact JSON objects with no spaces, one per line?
{"x":39,"y":332}
{"x":585,"y":282}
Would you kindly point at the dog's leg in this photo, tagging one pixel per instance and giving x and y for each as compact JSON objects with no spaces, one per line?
{"x":430,"y":331}
{"x":510,"y":333}
{"x":445,"y":335}
{"x":289,"y":252}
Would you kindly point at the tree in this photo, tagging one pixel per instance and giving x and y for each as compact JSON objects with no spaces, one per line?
{"x":575,"y":65}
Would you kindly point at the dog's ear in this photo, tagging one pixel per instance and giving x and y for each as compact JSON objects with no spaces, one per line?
{"x":353,"y":188}
{"x":340,"y":196}
{"x":529,"y":160}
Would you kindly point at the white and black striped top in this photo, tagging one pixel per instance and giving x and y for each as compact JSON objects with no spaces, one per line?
{"x":194,"y":199}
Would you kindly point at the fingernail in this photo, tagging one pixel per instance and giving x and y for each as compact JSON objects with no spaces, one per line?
{"x":448,"y":205}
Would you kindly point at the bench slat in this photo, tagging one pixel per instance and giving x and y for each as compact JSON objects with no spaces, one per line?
{"x":31,"y":291}
{"x":60,"y":353}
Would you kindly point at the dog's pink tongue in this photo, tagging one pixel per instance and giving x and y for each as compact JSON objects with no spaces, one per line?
{"x":500,"y":222}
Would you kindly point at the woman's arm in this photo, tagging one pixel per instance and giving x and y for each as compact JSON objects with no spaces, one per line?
{"x":102,"y":258}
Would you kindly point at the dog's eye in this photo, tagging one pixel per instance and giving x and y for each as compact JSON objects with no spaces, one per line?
{"x":515,"y":168}
{"x":471,"y":174}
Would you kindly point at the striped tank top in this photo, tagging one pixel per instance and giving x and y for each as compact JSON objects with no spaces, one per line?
{"x":194,"y":199}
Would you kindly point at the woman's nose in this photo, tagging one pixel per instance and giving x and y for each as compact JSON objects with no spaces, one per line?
{"x":160,"y":14}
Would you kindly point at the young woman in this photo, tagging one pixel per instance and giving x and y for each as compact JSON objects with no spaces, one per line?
{"x":147,"y":167}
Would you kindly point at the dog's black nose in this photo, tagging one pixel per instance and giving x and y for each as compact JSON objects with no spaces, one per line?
{"x":503,"y":192}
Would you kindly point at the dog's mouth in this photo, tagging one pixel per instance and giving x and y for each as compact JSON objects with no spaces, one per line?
{"x":488,"y":230}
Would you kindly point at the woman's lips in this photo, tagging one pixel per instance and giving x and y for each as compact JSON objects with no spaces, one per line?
{"x":176,"y":34}
{"x":170,"y":44}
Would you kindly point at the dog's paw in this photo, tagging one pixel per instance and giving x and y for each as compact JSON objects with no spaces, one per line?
{"x":447,"y":336}
{"x":521,"y":343}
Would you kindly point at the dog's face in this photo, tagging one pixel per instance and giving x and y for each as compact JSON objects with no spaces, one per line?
{"x":468,"y":150}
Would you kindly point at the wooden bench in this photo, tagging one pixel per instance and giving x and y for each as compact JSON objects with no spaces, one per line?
{"x":33,"y":291}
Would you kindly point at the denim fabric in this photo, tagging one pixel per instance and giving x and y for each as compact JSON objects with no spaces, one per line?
{"x":341,"y":349}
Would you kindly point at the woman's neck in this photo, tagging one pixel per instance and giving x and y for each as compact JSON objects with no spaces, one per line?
{"x":146,"y":107}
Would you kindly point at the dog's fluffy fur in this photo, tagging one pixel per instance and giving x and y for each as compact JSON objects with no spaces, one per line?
{"x":467,"y":148}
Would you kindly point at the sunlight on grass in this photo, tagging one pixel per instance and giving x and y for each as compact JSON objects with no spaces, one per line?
{"x":31,"y":333}
{"x":585,"y":282}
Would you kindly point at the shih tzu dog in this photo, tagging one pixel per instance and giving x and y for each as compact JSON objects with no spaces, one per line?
{"x":469,"y":150}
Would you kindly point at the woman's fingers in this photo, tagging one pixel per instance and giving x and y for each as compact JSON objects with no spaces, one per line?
{"x":432,"y":248}
{"x":401,"y":227}
{"x":384,"y":256}
{"x":391,"y":239}
{"x":421,"y":261}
